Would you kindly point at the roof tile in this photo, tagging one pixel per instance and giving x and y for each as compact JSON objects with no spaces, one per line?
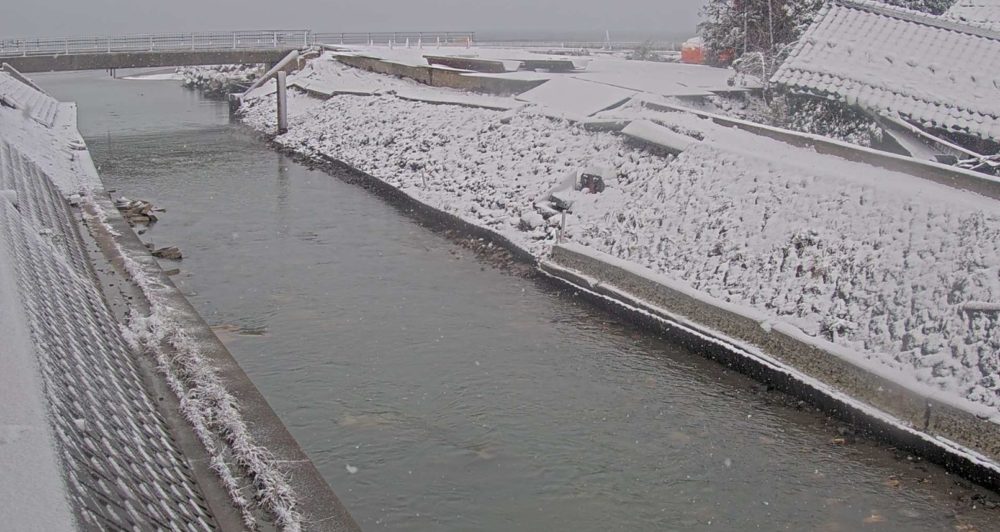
{"x":900,"y":61}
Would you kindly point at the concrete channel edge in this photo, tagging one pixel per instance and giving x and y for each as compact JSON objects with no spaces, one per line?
{"x":967,"y":443}
{"x":959,"y":439}
{"x":321,"y":510}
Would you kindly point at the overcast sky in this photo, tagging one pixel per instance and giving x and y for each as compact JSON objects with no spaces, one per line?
{"x":22,"y":18}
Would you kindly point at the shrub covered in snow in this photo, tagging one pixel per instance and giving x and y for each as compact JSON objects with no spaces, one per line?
{"x":805,"y":114}
{"x":825,"y":117}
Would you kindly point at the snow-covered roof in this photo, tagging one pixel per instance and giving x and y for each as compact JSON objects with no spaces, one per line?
{"x":985,"y":13}
{"x":121,"y":468}
{"x":931,"y":70}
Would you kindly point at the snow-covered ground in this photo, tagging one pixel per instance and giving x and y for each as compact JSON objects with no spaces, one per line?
{"x":159,"y":76}
{"x":903,"y":271}
{"x":57,"y":150}
{"x":219,"y":78}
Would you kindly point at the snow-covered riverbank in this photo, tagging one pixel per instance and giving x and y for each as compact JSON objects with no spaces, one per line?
{"x":219,"y":79}
{"x":903,"y":271}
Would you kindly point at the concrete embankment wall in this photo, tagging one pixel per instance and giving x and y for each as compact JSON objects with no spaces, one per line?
{"x":321,"y":509}
{"x":439,"y":77}
{"x":868,"y":395}
{"x":779,"y":354}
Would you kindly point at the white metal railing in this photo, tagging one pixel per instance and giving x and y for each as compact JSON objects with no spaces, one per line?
{"x":157,"y":42}
{"x":581,"y":45}
{"x":459,"y":38}
{"x":274,"y":39}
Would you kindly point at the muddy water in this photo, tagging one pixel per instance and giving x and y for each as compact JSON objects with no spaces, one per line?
{"x":435,"y":392}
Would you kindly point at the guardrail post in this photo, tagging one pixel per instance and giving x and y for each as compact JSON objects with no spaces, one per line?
{"x":151,"y":45}
{"x":305,"y":39}
{"x":192,"y":42}
{"x":341,"y":39}
{"x":274,"y":40}
{"x":109,"y":45}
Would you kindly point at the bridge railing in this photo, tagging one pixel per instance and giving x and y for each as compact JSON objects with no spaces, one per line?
{"x":399,"y":37}
{"x":272,"y":39}
{"x":224,"y":40}
{"x":581,"y":45}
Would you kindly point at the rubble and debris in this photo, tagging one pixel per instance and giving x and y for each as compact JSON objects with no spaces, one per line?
{"x":137,"y":211}
{"x":168,"y":253}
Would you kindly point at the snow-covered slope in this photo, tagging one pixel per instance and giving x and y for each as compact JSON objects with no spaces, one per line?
{"x":57,"y":148}
{"x":901,"y":270}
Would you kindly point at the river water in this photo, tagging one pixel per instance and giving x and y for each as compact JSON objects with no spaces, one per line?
{"x":436,"y":392}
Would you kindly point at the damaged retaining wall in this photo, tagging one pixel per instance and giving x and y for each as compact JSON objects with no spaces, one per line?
{"x":439,"y":77}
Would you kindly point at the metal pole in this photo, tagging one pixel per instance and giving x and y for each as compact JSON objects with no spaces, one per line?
{"x":282,"y":104}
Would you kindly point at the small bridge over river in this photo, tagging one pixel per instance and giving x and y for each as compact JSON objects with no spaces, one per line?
{"x":183,"y":49}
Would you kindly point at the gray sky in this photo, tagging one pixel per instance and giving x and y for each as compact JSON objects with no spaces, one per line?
{"x":86,"y":17}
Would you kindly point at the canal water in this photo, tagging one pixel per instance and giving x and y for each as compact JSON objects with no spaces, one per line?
{"x":436,"y":392}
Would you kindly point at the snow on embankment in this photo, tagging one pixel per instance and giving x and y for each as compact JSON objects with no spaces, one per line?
{"x":903,"y":271}
{"x":219,"y":79}
{"x":59,"y":150}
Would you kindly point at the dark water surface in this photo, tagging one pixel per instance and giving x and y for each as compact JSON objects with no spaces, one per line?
{"x":467,"y":398}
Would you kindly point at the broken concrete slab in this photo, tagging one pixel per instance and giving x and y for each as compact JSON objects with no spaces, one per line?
{"x":575,"y":99}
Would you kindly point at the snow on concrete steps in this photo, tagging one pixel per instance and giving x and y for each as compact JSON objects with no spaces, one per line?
{"x":40,"y":106}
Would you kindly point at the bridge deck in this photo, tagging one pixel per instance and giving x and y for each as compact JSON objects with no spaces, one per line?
{"x":102,"y":61}
{"x":183,"y":49}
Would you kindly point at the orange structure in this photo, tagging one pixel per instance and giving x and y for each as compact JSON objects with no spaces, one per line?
{"x":693,"y":51}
